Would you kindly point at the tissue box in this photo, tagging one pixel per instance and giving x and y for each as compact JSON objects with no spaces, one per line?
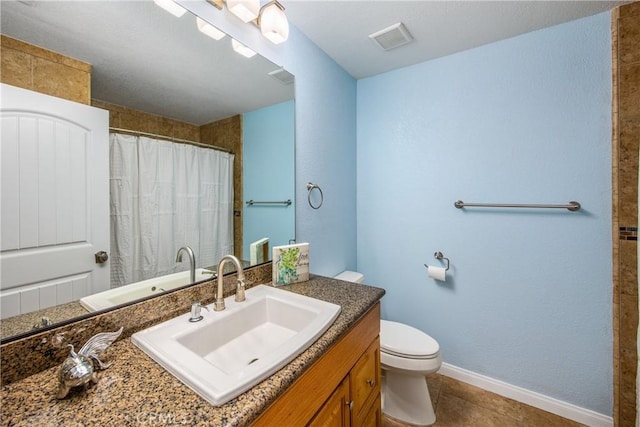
{"x":290,"y":264}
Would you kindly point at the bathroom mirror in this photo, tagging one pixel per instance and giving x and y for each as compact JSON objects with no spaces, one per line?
{"x":145,"y":59}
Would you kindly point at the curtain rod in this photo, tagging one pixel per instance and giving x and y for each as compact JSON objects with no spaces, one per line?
{"x":171,"y":138}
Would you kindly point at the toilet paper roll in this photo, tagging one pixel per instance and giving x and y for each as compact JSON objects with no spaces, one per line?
{"x":438,"y":273}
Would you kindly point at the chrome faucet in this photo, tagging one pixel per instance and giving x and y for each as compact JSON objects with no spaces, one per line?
{"x":192,"y":260}
{"x":219,"y":304}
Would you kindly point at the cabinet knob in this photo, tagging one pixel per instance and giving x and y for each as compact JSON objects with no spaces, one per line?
{"x":349,"y":404}
{"x":372,"y":383}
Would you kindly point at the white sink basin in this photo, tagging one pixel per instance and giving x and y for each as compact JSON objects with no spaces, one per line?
{"x":230,"y":351}
{"x":144,"y":288}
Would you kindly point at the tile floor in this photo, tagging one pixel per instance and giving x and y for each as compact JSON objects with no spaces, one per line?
{"x":458,"y":404}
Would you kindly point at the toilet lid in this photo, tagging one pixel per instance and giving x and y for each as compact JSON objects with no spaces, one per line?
{"x":404,"y":340}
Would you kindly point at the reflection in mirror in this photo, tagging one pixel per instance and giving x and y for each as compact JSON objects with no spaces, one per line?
{"x":169,"y":89}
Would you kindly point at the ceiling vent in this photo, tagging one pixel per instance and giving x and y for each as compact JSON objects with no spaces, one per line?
{"x":283,"y":76}
{"x":392,"y":37}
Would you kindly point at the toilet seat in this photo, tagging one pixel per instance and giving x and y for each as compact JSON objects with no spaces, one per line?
{"x":405,"y":341}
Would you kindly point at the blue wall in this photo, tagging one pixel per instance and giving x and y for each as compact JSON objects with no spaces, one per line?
{"x":325,"y":107}
{"x":527,"y":120}
{"x":268,"y":174}
{"x":326,"y":156}
{"x":524,"y":120}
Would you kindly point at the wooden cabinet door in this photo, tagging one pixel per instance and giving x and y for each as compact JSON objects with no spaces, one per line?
{"x":335,"y":411}
{"x":365,"y":382}
{"x":373,"y":418}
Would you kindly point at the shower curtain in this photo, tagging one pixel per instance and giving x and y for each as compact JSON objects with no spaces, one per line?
{"x":166,"y":195}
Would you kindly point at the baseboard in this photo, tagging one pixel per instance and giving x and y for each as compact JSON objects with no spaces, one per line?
{"x":528,"y":397}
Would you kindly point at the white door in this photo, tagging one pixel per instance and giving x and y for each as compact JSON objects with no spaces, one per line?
{"x":54,"y":199}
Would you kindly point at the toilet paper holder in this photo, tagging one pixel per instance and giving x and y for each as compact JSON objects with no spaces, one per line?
{"x":438,"y":255}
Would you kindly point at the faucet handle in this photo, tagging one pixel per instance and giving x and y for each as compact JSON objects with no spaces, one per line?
{"x":240,"y":291}
{"x":196,"y":316}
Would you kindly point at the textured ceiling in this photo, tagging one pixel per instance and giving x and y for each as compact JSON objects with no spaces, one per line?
{"x":439,"y":28}
{"x":147,"y":59}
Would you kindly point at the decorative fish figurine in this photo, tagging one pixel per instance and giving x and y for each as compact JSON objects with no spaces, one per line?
{"x":79,"y":369}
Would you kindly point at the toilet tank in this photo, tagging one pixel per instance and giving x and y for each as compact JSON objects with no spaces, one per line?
{"x":350,"y":276}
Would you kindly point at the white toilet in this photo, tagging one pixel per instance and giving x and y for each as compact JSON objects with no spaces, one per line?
{"x":406,"y":356}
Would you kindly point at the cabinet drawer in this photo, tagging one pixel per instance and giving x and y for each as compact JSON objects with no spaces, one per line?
{"x":365,"y":379}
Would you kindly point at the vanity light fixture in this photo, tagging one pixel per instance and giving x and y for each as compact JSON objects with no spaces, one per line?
{"x":273,"y":22}
{"x":270,"y":18}
{"x":246,"y":10}
{"x":171,"y":7}
{"x":209,"y":29}
{"x":241,"y":49}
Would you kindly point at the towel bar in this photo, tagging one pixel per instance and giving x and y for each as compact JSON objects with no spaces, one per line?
{"x":572,"y":206}
{"x":254,"y":202}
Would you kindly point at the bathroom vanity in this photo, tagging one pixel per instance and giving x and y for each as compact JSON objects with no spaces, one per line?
{"x":337,"y":378}
{"x":341,"y":388}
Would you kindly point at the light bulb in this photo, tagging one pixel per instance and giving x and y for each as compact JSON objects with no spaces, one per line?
{"x":241,"y":49}
{"x":171,"y":7}
{"x":274,"y":24}
{"x":246,"y":10}
{"x":209,"y":29}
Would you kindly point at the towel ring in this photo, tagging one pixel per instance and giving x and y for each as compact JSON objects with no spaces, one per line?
{"x":310,"y":187}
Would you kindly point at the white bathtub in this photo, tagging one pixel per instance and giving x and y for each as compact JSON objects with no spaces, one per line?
{"x":142,"y":289}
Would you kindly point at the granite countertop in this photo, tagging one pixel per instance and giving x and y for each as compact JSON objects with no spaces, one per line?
{"x":25,"y":322}
{"x":137,"y":391}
